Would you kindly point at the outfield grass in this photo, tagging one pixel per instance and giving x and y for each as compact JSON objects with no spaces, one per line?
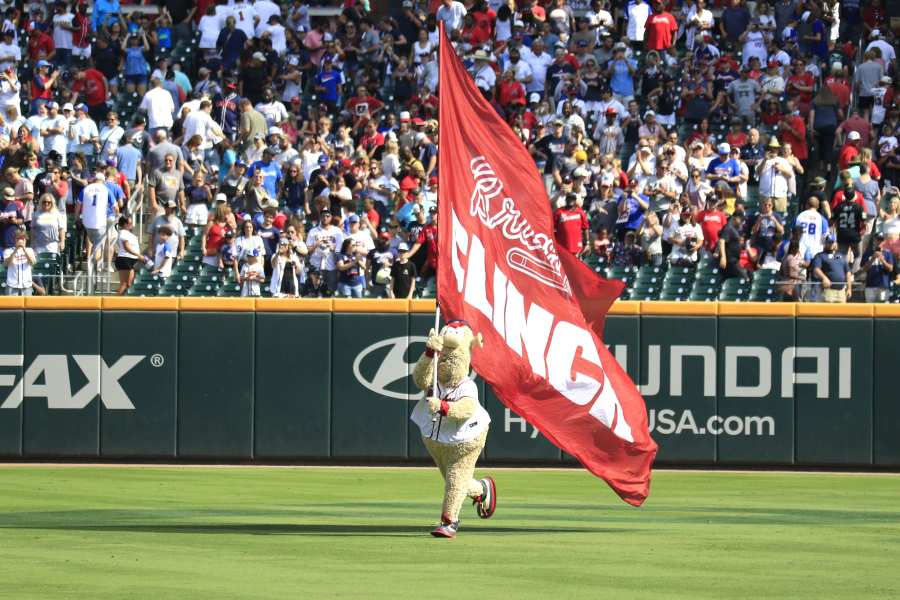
{"x":197,"y":533}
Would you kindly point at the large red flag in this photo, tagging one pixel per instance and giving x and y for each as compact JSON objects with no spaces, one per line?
{"x":541,"y":310}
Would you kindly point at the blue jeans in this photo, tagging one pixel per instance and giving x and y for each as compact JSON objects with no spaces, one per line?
{"x":350,"y":290}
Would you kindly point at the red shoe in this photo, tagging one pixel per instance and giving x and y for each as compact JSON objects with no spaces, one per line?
{"x":486,"y":503}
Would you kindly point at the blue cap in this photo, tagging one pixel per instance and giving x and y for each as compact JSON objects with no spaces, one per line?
{"x":354,"y":218}
{"x":323,"y":159}
{"x":42,"y":63}
{"x":81,"y":106}
{"x":830,"y":238}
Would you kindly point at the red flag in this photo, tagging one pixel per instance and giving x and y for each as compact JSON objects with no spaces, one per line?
{"x":541,"y":311}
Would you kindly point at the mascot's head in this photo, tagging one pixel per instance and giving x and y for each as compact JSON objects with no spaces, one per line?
{"x":456,"y":358}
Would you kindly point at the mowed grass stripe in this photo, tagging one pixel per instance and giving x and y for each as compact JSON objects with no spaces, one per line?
{"x":93,"y":532}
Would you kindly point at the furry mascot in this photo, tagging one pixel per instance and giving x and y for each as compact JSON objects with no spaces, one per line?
{"x":454,"y":425}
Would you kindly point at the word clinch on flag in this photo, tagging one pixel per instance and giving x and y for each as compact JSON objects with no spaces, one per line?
{"x":540,"y":309}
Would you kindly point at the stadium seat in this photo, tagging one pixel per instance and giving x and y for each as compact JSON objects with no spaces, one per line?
{"x":229,"y":290}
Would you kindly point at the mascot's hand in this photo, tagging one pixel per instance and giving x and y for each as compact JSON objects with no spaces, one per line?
{"x":434,"y":404}
{"x":435,"y":343}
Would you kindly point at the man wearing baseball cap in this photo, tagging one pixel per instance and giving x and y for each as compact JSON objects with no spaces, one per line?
{"x":723,"y":167}
{"x":831,"y":269}
{"x":42,"y":84}
{"x":850,"y":150}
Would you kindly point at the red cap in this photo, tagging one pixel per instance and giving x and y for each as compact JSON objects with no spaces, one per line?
{"x":295,"y":100}
{"x":433,"y":180}
{"x":773,"y":64}
{"x":612,"y":111}
{"x":418,"y":121}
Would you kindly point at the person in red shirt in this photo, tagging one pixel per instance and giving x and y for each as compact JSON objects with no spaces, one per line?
{"x":793,"y":131}
{"x":737,"y":137}
{"x":660,"y":29}
{"x":363,"y":106}
{"x":849,"y":151}
{"x":510,"y":92}
{"x":839,"y":197}
{"x":571,"y":226}
{"x":712,"y":221}
{"x":371,"y":140}
{"x":40,"y":46}
{"x":93,"y":86}
{"x":855,"y":122}
{"x":428,"y":236}
{"x":800,"y":86}
{"x":837,"y":83}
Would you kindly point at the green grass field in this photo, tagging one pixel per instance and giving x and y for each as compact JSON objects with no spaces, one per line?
{"x":196,"y":533}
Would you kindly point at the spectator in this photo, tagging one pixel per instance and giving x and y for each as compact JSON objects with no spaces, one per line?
{"x":324,"y":240}
{"x":287,"y":270}
{"x":351,"y":265}
{"x":48,"y":227}
{"x":128,"y":254}
{"x":571,"y":226}
{"x":832,"y":270}
{"x":878,"y":264}
{"x":252,"y":275}
{"x":729,"y":250}
{"x":19,"y":260}
{"x":164,"y":253}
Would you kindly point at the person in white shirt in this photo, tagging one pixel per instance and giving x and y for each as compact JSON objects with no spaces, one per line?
{"x":34,"y":122}
{"x":451,"y":13}
{"x":9,"y":90}
{"x":773,"y":173}
{"x":210,"y":26}
{"x":272,"y":109}
{"x":128,"y":253}
{"x":539,"y":61}
{"x":485,"y":77}
{"x":62,"y":34}
{"x":245,"y":18}
{"x":638,"y":12}
{"x":275,"y":31}
{"x":887,"y":50}
{"x":18,"y":260}
{"x":699,"y":19}
{"x":686,"y":240}
{"x":111,"y":135}
{"x":158,"y":105}
{"x":164,"y":253}
{"x":815,"y":228}
{"x":10,"y":53}
{"x":266,"y":9}
{"x":252,"y":275}
{"x":200,"y":122}
{"x":97,"y":209}
{"x":54,"y":129}
{"x":83,"y":132}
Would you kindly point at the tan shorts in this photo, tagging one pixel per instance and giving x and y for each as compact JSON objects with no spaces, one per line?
{"x":834,"y":296}
{"x":779,"y":203}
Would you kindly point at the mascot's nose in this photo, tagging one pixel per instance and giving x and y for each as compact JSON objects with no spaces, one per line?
{"x":451,"y":340}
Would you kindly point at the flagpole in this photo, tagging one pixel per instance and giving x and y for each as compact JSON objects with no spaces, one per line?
{"x":434,"y":362}
{"x":437,"y":306}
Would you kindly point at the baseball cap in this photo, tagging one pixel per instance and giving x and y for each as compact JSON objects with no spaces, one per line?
{"x":354,"y":218}
{"x":9,"y":192}
{"x":607,"y":179}
{"x":171,"y":204}
{"x":534,"y":97}
{"x":42,"y":63}
{"x":853,"y":135}
{"x":402,"y":246}
{"x":773,"y":64}
{"x":323,"y":159}
{"x":52,"y":104}
{"x":259,"y":56}
{"x":886,"y":79}
{"x":819,"y":182}
{"x":68,"y":106}
{"x":81,"y":107}
{"x":723,"y":148}
{"x":612,"y":110}
{"x":273,"y":130}
{"x":220,"y":197}
{"x":649,"y":114}
{"x":404,"y":116}
{"x":830,"y":238}
{"x":99,"y":176}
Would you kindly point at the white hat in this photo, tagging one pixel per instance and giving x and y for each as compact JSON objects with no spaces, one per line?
{"x":580,"y":172}
{"x":534,"y":97}
{"x":649,"y":114}
{"x":723,"y":148}
{"x":607,"y":179}
{"x":875,"y":34}
{"x":404,"y":116}
{"x":99,"y":176}
{"x":273,"y":130}
{"x":806,"y":15}
{"x":402,"y":246}
{"x":345,"y":194}
{"x":259,"y":56}
{"x":220,"y":197}
{"x":68,"y":106}
{"x":886,"y":79}
{"x":853,"y":136}
{"x":836,"y":66}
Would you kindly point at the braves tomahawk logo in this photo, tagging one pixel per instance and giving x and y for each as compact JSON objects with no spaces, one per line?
{"x":537,"y":256}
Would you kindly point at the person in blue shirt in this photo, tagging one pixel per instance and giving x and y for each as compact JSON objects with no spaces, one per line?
{"x":271,"y":173}
{"x":128,"y":161}
{"x":104,"y":13}
{"x":230,"y":44}
{"x":878,"y":263}
{"x":328,"y":83}
{"x":115,"y":190}
{"x":621,"y":72}
{"x":631,"y":209}
{"x":724,"y":168}
{"x":831,"y":269}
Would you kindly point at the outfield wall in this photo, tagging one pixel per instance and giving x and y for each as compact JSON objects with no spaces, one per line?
{"x":241,"y":379}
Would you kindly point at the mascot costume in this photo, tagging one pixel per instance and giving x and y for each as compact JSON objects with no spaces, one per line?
{"x":454,"y":425}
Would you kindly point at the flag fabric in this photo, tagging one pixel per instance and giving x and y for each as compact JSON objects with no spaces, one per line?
{"x":540,"y":309}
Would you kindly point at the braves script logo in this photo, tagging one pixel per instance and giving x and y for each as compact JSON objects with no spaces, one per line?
{"x":537,"y":257}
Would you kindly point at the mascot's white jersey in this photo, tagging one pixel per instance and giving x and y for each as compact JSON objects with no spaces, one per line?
{"x":448,"y":430}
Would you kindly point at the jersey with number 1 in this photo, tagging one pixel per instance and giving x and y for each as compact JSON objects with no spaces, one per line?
{"x":815,"y":228}
{"x":96,"y":204}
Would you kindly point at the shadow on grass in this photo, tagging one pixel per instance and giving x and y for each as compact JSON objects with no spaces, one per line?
{"x":320,"y":529}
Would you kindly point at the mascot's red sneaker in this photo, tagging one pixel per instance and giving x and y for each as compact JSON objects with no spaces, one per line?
{"x":446,"y":529}
{"x":486,"y":503}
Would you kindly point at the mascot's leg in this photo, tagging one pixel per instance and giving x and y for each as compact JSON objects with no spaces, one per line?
{"x":457,"y":465}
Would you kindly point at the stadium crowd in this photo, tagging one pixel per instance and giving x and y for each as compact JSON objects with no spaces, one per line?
{"x":737,"y":150}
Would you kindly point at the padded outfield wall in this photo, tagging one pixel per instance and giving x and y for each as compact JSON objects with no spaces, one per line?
{"x":294,"y":380}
